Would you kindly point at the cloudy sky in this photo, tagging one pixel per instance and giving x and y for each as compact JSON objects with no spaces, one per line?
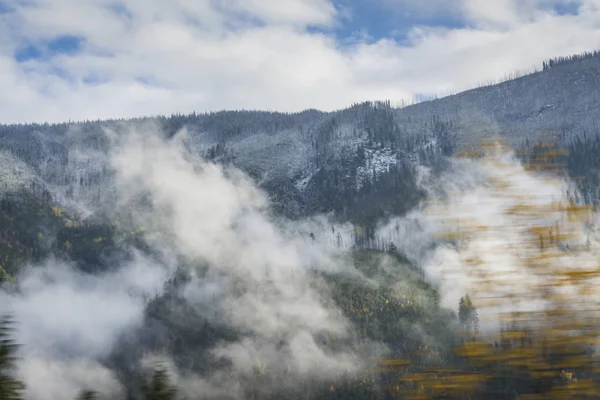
{"x":88,"y":59}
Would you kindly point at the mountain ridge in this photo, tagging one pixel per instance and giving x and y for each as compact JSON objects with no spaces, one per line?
{"x":314,"y":161}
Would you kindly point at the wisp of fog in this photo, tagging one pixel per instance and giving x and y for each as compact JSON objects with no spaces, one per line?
{"x":253,"y":271}
{"x":494,"y":229}
{"x":258,"y":278}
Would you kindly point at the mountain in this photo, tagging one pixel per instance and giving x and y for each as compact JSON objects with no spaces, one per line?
{"x":242,"y":305}
{"x":562,"y":98}
{"x":359,"y":163}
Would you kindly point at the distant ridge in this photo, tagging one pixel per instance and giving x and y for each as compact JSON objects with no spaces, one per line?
{"x":358,"y":162}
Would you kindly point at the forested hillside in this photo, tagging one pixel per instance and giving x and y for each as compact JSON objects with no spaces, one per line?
{"x":368,"y":253}
{"x":342,"y":161}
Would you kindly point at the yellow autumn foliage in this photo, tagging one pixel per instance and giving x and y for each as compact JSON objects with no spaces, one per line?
{"x":548,"y":344}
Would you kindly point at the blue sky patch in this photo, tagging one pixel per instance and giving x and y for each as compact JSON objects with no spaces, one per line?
{"x":371,"y":21}
{"x":570,"y":8}
{"x":28,"y":52}
{"x":5,"y":8}
{"x":65,"y":44}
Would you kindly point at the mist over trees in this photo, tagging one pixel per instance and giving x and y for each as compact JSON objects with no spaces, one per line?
{"x":369,"y":253}
{"x":413,"y":337}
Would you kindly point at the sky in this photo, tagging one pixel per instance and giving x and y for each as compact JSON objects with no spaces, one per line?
{"x":73,"y":60}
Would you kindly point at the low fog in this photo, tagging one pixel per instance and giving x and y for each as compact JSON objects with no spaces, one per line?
{"x":498,"y":231}
{"x":256,"y":278}
{"x":252,"y":271}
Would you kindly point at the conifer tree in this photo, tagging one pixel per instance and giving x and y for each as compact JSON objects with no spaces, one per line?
{"x":87,"y":395}
{"x":159,"y":387}
{"x":11,"y":388}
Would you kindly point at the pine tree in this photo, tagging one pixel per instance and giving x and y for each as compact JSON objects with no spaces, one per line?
{"x":159,"y":387}
{"x":10,"y":387}
{"x":462,"y":311}
{"x":87,"y":395}
{"x":467,"y":315}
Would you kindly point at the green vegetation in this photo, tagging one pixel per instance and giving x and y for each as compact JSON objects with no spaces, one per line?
{"x":427,"y":356}
{"x":431,"y":352}
{"x":32,"y":229}
{"x":10,"y":387}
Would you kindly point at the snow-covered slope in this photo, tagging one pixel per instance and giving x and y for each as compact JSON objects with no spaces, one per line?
{"x":314,"y":161}
{"x":564,"y":98}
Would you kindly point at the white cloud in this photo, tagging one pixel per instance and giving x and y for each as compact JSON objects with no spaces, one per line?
{"x":202,"y":55}
{"x":499,"y":11}
{"x":300,"y":12}
{"x":511,"y":13}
